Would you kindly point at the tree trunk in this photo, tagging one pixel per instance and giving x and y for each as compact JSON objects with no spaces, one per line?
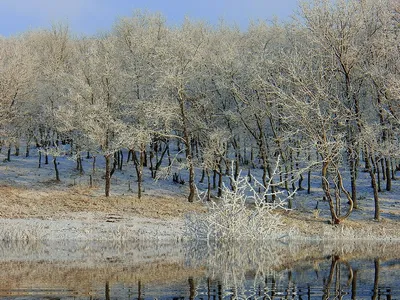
{"x":378,"y":176}
{"x":383,"y":169}
{"x":370,"y":163}
{"x":354,"y":284}
{"x":192,"y":289}
{"x":388,"y":175}
{"x":151,"y":156}
{"x":208,"y":186}
{"x":129,"y":156}
{"x":107,"y":291}
{"x":220,"y":174}
{"x":56,"y":169}
{"x":376,"y":279}
{"x":120,"y":160}
{"x":108,"y":174}
{"x":326,"y":188}
{"x":203,"y":174}
{"x":139,"y":164}
{"x":353,"y":179}
{"x":9,"y":154}
{"x":94,"y":165}
{"x":187,"y":141}
{"x":140,"y":172}
{"x":392,"y":167}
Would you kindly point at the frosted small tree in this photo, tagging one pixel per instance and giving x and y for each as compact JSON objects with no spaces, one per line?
{"x":241,"y":213}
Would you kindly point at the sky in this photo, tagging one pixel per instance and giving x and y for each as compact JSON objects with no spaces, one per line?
{"x":88,"y":17}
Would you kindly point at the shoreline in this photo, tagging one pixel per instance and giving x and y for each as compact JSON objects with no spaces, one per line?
{"x":80,"y":214}
{"x":101,"y":227}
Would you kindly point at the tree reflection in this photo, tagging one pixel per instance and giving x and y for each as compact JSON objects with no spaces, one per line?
{"x":335,"y":275}
{"x":278,"y":271}
{"x":376,"y":279}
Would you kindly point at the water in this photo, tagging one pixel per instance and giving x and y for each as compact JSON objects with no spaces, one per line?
{"x":80,"y":270}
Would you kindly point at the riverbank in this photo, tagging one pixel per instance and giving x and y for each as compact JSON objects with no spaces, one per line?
{"x":76,"y":213}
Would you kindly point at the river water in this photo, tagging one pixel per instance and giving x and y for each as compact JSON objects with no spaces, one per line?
{"x":110,"y":270}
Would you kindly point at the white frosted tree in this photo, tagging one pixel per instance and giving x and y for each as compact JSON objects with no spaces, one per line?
{"x":94,"y":104}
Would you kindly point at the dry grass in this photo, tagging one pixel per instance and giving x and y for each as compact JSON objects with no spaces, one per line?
{"x":51,"y":201}
{"x":19,"y":202}
{"x":309,"y":226}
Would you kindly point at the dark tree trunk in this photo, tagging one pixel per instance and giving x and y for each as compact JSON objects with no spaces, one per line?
{"x":9,"y":154}
{"x":354,"y":284}
{"x":376,"y":164}
{"x":129,"y":156}
{"x":214,"y":179}
{"x":192,"y":290}
{"x":115,"y":163}
{"x":56,"y":169}
{"x":376,"y":279}
{"x":208,"y":186}
{"x":370,"y":169}
{"x":203,"y":174}
{"x":107,"y":291}
{"x":383,"y":169}
{"x":159,"y":159}
{"x":220,"y":176}
{"x":301,"y":179}
{"x":145,"y":158}
{"x":353,"y":179}
{"x":94,"y":165}
{"x":120,"y":160}
{"x":151,"y":163}
{"x":140,"y":290}
{"x":80,"y":166}
{"x":393,"y":169}
{"x":139,"y":164}
{"x":108,"y":174}
{"x":327,"y":191}
{"x":388,"y":175}
{"x":40,"y":159}
{"x":252,"y":157}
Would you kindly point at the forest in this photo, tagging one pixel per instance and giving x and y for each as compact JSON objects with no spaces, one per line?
{"x":319,"y":93}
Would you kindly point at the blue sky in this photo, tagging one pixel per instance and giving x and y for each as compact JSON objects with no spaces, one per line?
{"x":93,"y":16}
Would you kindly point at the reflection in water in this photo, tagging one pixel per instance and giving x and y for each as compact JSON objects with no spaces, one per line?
{"x":176,"y":271}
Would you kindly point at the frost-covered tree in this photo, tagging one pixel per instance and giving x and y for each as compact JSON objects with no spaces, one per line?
{"x":16,"y":80}
{"x":181,"y":84}
{"x":95,"y":98}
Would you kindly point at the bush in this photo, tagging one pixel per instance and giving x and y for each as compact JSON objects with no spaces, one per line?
{"x":240,"y":214}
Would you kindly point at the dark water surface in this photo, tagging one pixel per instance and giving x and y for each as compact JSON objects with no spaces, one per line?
{"x":81,"y":270}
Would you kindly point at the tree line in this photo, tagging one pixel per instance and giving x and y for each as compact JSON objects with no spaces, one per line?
{"x":321,"y":93}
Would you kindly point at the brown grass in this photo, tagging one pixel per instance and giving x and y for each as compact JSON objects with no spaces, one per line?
{"x":51,"y":201}
{"x":309,"y":225}
{"x":19,"y":202}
